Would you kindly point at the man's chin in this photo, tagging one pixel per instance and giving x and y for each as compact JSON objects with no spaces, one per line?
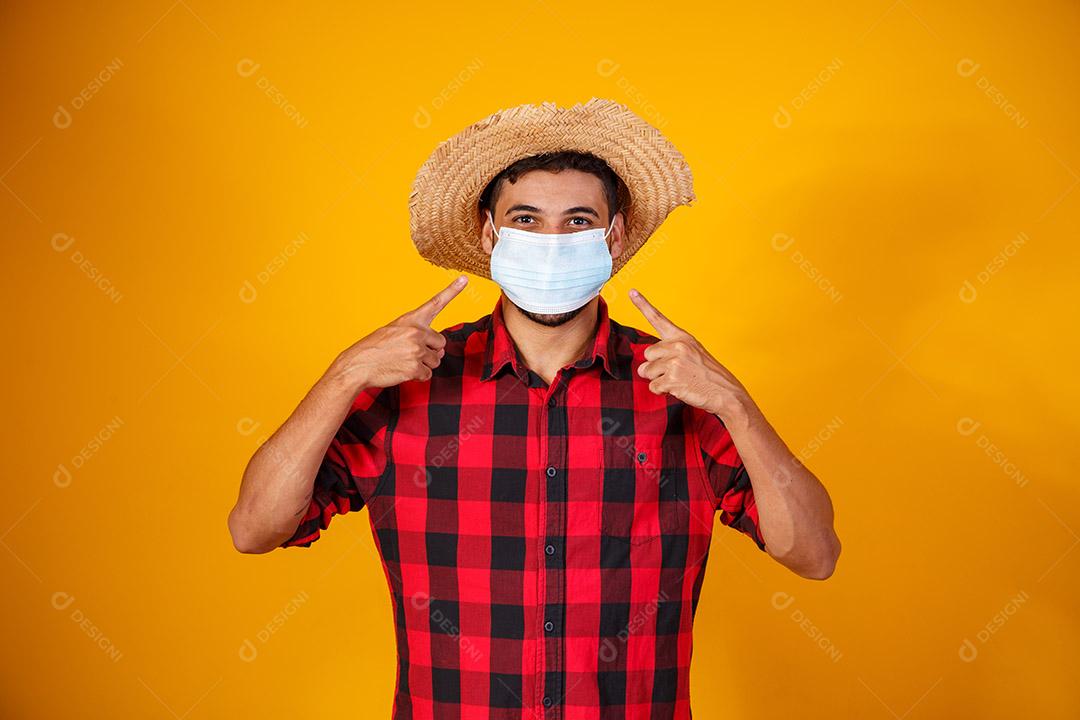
{"x":551,"y":319}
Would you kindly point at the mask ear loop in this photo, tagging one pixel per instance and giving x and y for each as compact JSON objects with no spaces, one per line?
{"x":610,"y":227}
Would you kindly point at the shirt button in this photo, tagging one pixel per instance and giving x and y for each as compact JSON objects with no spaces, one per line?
{"x":547,"y":701}
{"x":551,"y":401}
{"x":550,"y":549}
{"x":551,"y":471}
{"x":549,"y":626}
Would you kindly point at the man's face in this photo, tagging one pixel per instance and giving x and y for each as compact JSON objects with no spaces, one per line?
{"x":553,"y":202}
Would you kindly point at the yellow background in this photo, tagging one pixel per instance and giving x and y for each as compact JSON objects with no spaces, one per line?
{"x":859,"y":168}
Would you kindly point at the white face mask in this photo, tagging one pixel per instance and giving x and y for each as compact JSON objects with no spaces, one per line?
{"x":549,"y":274}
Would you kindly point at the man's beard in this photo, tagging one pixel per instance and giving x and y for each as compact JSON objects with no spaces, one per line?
{"x":552,"y":319}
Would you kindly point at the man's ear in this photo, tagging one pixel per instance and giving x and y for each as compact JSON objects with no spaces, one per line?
{"x":487,"y":233}
{"x":618,"y":230}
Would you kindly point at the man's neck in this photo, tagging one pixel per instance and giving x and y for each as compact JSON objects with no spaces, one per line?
{"x":546,"y":350}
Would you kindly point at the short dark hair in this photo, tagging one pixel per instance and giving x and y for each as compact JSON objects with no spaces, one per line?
{"x":614,"y":189}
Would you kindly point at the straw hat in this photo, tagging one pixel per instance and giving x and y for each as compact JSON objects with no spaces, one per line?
{"x":443,"y":205}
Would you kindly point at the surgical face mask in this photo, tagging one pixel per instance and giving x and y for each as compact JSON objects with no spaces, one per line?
{"x":550,"y":274}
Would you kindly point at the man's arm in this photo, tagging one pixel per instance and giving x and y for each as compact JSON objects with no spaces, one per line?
{"x":794,"y":510}
{"x":278,"y":483}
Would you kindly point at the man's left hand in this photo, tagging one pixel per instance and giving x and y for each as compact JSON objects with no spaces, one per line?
{"x":679,"y":365}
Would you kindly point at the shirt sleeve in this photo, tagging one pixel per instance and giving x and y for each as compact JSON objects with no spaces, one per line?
{"x":352,"y":466}
{"x":727,"y":477}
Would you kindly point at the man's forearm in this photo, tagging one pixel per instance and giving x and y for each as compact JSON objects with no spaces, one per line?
{"x":277,"y":484}
{"x":794,"y":509}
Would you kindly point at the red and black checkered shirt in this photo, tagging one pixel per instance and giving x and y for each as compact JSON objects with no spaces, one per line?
{"x":544,"y":545}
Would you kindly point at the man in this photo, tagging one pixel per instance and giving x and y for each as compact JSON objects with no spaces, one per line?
{"x":541,"y":482}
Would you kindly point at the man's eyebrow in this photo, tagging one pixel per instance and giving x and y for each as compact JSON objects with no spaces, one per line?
{"x":582,"y":209}
{"x":524,"y":208}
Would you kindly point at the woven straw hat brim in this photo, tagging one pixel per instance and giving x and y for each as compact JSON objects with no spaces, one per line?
{"x":444,"y":220}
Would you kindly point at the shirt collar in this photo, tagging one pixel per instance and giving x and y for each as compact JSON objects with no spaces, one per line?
{"x":501,"y":350}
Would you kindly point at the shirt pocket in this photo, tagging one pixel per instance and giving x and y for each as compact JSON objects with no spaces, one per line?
{"x":640,"y":496}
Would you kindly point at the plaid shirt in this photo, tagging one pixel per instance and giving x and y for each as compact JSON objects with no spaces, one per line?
{"x":544,"y":546}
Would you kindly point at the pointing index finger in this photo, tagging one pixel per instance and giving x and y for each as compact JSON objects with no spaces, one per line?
{"x":664,"y":327}
{"x":426,"y":313}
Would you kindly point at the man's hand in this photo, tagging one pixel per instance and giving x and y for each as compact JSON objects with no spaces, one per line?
{"x":795,"y":511}
{"x":681,"y":366}
{"x":404,"y":349}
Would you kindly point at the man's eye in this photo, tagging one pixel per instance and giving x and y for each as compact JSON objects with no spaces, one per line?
{"x":584,"y":220}
{"x":520,"y":218}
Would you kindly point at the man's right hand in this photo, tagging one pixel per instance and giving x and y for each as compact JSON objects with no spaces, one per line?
{"x":405,"y":349}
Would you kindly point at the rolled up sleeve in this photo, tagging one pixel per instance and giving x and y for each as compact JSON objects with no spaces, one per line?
{"x":727,"y":477}
{"x":353,"y":465}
